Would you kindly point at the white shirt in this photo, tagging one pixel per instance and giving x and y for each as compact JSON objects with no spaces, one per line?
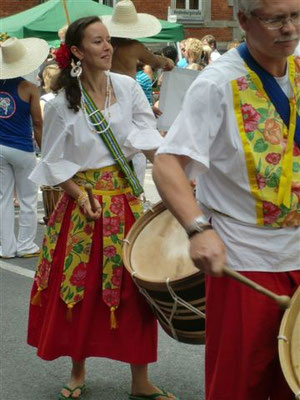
{"x":214,"y":55}
{"x":69,"y":144}
{"x":206,"y":131}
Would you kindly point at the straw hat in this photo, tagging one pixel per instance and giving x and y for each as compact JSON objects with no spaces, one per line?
{"x":127,"y":23}
{"x":19,"y":57}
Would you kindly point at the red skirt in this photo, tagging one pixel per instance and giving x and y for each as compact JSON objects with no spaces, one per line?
{"x":89,"y":333}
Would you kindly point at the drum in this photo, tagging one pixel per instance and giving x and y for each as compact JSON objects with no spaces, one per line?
{"x":156,"y":254}
{"x":289,"y":344}
{"x":51,"y":195}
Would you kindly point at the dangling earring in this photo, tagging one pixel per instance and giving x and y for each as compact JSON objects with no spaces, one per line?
{"x":76,"y":70}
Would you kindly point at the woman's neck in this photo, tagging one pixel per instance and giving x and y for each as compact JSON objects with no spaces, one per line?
{"x":94,"y":82}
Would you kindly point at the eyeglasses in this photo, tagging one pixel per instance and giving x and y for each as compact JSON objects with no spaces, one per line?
{"x":279,"y":22}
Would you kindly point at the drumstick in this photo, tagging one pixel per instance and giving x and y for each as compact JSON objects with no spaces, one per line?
{"x":282,"y":301}
{"x":88,"y":187}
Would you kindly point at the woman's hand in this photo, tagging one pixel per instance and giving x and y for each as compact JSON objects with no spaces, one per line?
{"x":208,"y":252}
{"x":89,"y":213}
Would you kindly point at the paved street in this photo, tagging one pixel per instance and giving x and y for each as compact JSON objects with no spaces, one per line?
{"x":26,"y":377}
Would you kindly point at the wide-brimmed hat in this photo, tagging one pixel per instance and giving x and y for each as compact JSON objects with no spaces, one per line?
{"x":127,"y":23}
{"x":19,"y":57}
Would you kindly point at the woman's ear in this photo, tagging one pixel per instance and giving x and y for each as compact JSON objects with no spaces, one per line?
{"x":76,"y":52}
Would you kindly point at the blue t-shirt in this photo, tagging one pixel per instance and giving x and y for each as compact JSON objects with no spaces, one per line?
{"x":143,"y":79}
{"x":182,"y":63}
{"x":15,"y":118}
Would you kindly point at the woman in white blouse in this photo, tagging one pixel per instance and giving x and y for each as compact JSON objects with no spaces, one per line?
{"x":84,"y":303}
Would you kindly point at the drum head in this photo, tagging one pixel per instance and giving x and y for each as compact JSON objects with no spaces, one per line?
{"x":289,"y":344}
{"x":158,"y":248}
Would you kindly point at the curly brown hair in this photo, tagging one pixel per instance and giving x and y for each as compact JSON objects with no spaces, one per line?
{"x":64,"y":80}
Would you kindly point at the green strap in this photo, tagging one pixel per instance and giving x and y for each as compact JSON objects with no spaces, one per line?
{"x":106,"y":134}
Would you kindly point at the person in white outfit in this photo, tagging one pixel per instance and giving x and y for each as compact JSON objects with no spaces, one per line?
{"x":20,"y":114}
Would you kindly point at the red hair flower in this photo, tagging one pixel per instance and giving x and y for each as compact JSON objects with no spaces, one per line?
{"x":63,"y":56}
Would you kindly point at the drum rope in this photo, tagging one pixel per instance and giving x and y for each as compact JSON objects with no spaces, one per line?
{"x":154,"y":305}
{"x":179,"y":300}
{"x":284,"y":338}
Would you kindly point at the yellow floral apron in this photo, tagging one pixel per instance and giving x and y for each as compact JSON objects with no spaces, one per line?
{"x":112,"y":190}
{"x":272,"y":156}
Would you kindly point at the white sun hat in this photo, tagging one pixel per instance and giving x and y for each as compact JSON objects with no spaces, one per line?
{"x":127,"y":23}
{"x":19,"y":57}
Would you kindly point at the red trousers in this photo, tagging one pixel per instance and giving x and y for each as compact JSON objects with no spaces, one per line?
{"x":242,"y":326}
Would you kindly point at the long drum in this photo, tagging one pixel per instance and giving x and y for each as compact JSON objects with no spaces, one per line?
{"x":156,"y":254}
{"x":289,"y":344}
{"x":51,"y":195}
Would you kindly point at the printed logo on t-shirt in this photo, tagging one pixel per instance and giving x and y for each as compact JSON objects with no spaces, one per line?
{"x":7,"y":105}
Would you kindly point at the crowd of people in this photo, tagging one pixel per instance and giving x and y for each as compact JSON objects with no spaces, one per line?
{"x":93,"y":117}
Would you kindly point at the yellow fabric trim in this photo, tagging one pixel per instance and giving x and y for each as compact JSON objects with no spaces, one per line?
{"x":250,"y":162}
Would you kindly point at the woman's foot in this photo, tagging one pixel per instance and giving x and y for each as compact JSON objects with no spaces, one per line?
{"x":149,"y":389}
{"x":75,"y":387}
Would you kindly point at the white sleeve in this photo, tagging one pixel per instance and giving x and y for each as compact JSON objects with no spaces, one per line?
{"x":196,"y":126}
{"x":144,"y":135}
{"x":53,"y":168}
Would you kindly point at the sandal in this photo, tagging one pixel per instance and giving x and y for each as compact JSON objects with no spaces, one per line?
{"x":30,"y":255}
{"x":71,"y":391}
{"x":151,"y":396}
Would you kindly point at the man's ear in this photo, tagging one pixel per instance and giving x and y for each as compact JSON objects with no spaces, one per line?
{"x":243,"y":20}
{"x":76,"y":52}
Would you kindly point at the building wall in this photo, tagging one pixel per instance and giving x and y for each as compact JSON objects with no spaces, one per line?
{"x":10,"y":7}
{"x":218,"y":16}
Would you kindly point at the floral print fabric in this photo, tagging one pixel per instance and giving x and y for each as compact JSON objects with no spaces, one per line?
{"x":272,"y":158}
{"x":112,"y":191}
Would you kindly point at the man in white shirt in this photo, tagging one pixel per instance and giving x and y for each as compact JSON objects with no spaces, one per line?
{"x":234,"y":137}
{"x":212,"y":43}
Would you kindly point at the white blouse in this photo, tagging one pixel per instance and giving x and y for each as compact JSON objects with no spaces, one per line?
{"x":69,"y":144}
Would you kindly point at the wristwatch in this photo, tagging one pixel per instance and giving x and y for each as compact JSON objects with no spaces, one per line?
{"x":199,"y":225}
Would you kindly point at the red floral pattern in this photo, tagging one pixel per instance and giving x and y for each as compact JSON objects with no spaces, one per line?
{"x":273,"y":158}
{"x":117,"y":206}
{"x":109,"y":251}
{"x":251,"y":117}
{"x":271,"y":212}
{"x":79,"y":274}
{"x":111,"y":226}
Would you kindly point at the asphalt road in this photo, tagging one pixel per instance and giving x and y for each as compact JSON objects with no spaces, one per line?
{"x":180,"y":367}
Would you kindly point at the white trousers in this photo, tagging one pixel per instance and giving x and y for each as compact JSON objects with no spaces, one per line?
{"x":15,"y":167}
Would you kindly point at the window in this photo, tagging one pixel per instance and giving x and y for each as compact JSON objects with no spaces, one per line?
{"x":188,"y":4}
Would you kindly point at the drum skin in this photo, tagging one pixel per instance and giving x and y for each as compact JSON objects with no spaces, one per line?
{"x":289,"y":344}
{"x":156,"y":254}
{"x":51,"y":195}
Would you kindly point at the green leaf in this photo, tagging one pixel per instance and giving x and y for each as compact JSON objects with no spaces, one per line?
{"x":136,"y":215}
{"x":278,"y":172}
{"x":259,"y":166}
{"x":273,"y":181}
{"x":107,"y":285}
{"x":79,"y":289}
{"x":107,"y":213}
{"x":78,"y":248}
{"x":250,"y":135}
{"x":260,"y":146}
{"x":115,"y":183}
{"x":267,"y":171}
{"x":296,"y":167}
{"x":114,"y":238}
{"x":263,"y":112}
{"x":68,"y":261}
{"x":116,"y":259}
{"x":96,"y":175}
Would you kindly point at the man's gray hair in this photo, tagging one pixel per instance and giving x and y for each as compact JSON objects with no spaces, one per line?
{"x":247,"y":6}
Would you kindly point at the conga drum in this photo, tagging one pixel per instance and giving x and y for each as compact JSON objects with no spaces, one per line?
{"x":51,"y":195}
{"x":156,"y":254}
{"x":289,"y":344}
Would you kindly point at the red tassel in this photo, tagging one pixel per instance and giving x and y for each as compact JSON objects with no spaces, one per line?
{"x":69,"y":312}
{"x":37,"y":298}
{"x":113,"y":319}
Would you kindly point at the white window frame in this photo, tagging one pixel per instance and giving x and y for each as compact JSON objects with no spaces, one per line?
{"x":187,"y":4}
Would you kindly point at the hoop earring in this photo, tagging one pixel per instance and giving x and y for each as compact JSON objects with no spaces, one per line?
{"x":76,"y":70}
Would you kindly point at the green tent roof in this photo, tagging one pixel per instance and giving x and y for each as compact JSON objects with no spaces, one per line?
{"x":44,"y":20}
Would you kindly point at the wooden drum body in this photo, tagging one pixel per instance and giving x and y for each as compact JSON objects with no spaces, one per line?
{"x":289,"y":344}
{"x":51,"y":195}
{"x":156,"y":254}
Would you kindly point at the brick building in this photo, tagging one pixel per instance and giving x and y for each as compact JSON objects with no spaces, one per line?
{"x":199,"y":17}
